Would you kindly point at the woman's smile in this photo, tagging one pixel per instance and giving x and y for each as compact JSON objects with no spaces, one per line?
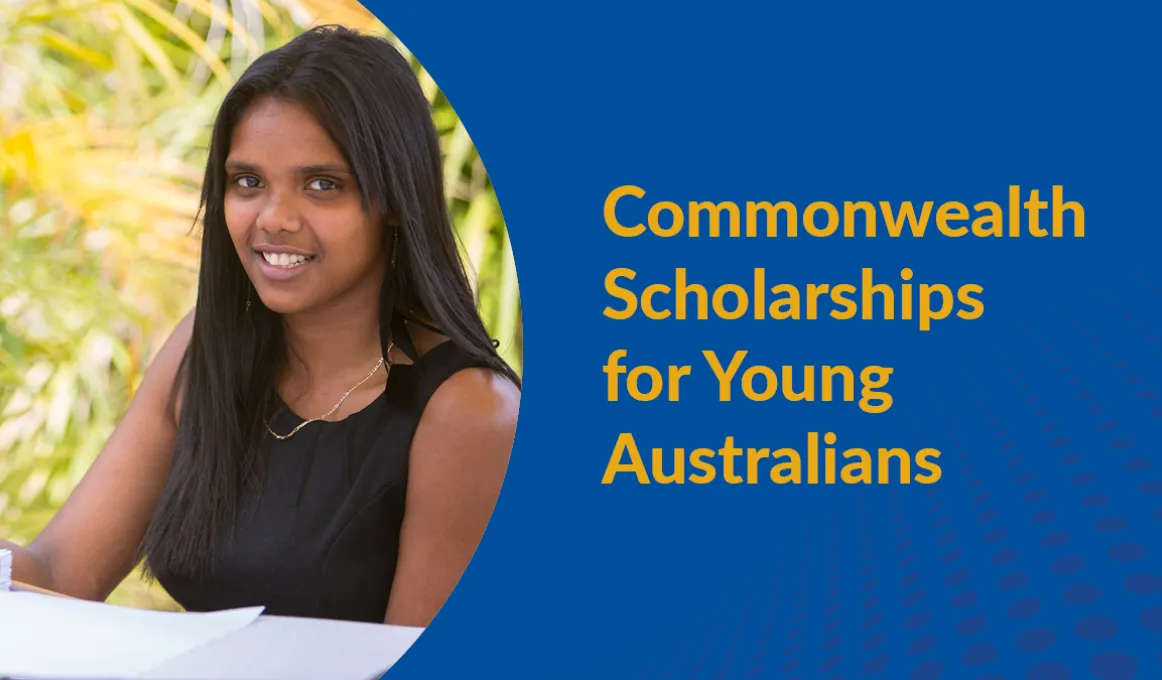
{"x":281,"y":264}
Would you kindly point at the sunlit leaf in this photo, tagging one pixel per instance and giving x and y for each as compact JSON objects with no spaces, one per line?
{"x":182,"y":31}
{"x":148,"y":45}
{"x":59,"y":41}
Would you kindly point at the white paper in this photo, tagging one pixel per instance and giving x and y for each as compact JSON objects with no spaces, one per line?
{"x":284,"y":648}
{"x":46,"y":637}
{"x":5,"y":569}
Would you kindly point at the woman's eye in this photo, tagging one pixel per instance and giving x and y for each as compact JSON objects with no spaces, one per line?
{"x":322,"y":184}
{"x":248,"y":182}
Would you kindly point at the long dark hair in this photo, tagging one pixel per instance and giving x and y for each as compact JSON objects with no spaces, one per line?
{"x":365,"y":95}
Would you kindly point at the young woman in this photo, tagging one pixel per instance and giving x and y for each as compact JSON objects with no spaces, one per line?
{"x":327,"y":432}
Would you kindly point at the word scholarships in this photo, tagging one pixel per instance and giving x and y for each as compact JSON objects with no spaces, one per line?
{"x":1020,"y":215}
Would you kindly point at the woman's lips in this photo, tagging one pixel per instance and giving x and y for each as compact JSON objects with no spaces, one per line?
{"x":282,"y":266}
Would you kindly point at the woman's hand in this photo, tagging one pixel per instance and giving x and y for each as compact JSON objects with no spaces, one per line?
{"x":28,"y":566}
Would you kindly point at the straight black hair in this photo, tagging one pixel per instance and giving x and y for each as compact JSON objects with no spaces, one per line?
{"x":365,"y":95}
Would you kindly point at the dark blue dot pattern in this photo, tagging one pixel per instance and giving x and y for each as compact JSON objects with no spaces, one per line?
{"x":1114,"y":666}
{"x":1096,"y":628}
{"x":1036,"y":640}
{"x":1049,"y":670}
{"x":929,"y":670}
{"x":1036,"y":557}
{"x":1025,"y":608}
{"x":1081,"y":594}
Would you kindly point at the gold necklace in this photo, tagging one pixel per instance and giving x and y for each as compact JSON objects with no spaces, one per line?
{"x":333,"y":409}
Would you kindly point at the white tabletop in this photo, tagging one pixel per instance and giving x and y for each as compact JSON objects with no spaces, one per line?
{"x":281,"y":648}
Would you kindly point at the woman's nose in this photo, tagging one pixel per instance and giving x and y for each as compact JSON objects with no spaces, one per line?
{"x":278,"y":214}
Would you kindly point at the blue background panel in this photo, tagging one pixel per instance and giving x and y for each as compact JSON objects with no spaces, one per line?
{"x":1036,"y":556}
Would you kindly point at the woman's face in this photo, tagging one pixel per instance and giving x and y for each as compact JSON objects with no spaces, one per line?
{"x":294,"y":214}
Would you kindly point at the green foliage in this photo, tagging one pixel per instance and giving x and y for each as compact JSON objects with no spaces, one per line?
{"x":105,"y":111}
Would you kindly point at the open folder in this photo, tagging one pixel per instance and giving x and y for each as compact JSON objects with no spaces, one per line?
{"x":50,"y":638}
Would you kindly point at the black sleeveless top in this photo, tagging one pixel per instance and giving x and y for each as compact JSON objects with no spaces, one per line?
{"x":323,"y":537}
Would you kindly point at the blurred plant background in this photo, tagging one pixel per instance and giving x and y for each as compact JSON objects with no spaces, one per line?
{"x":105,"y":112}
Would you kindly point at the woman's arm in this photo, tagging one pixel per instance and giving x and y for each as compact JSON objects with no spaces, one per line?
{"x":458,"y":460}
{"x":91,"y":544}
